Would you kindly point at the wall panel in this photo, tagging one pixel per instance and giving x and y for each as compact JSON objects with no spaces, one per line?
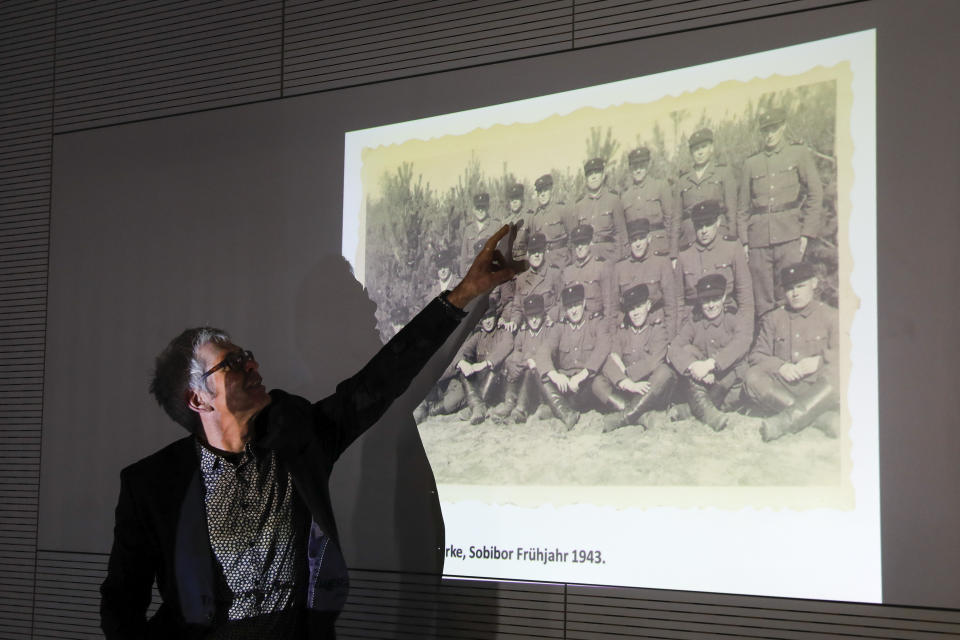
{"x":122,"y":61}
{"x":26,"y":102}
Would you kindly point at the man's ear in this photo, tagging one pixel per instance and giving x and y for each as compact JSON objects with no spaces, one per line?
{"x":197,"y":403}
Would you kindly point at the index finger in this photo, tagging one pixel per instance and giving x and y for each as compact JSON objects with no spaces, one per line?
{"x":494,"y":240}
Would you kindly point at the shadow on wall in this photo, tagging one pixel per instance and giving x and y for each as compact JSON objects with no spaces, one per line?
{"x":383,"y":489}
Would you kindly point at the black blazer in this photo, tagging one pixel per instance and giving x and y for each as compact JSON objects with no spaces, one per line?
{"x":161,"y":532}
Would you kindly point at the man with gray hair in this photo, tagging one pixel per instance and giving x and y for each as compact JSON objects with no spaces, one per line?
{"x":235,"y":521}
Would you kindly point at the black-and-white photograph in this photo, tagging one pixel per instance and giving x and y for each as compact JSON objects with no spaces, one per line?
{"x":679,"y":320}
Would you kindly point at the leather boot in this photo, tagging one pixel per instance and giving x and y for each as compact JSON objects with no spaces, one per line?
{"x":703,"y":408}
{"x":558,"y":404}
{"x":487,"y":383}
{"x":503,"y":411}
{"x":519,"y":413}
{"x":774,"y":398}
{"x":611,"y":398}
{"x":819,"y":398}
{"x":478,"y":411}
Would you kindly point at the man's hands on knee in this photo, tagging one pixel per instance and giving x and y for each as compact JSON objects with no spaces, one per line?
{"x":489,"y":269}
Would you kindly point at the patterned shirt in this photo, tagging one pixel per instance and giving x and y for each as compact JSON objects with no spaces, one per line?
{"x":252,"y":528}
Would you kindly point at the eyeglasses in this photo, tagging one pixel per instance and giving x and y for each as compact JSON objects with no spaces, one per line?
{"x":234,"y":361}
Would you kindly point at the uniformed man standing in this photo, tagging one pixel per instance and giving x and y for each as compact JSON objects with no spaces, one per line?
{"x":554,"y":219}
{"x":707,"y":180}
{"x":516,"y":215}
{"x":476,"y":230}
{"x":641,"y":266}
{"x":711,"y":253}
{"x":540,"y":278}
{"x":593,"y":272}
{"x":478,"y":363}
{"x":780,"y":206}
{"x":446,"y":273}
{"x":793,"y":371}
{"x":636,"y":378}
{"x":651,"y":198}
{"x":709,"y":353}
{"x":600,"y":207}
{"x":523,"y":389}
{"x":571,"y":355}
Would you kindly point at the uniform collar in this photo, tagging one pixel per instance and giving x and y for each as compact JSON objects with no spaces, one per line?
{"x":595,"y":195}
{"x":805,"y":312}
{"x":707,"y":247}
{"x":776,"y":149}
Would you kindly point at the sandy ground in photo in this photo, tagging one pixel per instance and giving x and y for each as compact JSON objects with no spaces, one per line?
{"x":683,"y":452}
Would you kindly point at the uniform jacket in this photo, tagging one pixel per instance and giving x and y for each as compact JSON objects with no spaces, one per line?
{"x":480,"y":345}
{"x":652,"y":199}
{"x":641,"y":350}
{"x":603,"y":211}
{"x":569,"y":348}
{"x":596,"y":276}
{"x":471,"y":234}
{"x":725,"y":257}
{"x":722,"y":339}
{"x":716,"y":183}
{"x":780,"y":196}
{"x":544,"y":281}
{"x":161,"y":531}
{"x":789,"y":336}
{"x":657,"y":273}
{"x":525,"y":346}
{"x":554,"y":220}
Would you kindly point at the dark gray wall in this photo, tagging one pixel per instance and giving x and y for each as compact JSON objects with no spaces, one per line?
{"x":118,"y":63}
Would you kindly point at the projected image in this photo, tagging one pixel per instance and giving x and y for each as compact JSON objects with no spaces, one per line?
{"x":679,"y":322}
{"x":680,"y":392}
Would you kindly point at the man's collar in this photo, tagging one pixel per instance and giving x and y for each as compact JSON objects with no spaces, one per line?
{"x":806,"y":311}
{"x":212,"y":458}
{"x":705,"y":247}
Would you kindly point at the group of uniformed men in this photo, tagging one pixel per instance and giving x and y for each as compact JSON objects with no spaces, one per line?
{"x":627,"y":295}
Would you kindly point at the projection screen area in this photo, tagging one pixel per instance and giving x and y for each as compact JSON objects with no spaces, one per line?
{"x":535,"y":497}
{"x":245,"y":218}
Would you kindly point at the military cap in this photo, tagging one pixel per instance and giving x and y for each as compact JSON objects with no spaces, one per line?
{"x":533,"y":305}
{"x":700,"y":136}
{"x":638,"y":228}
{"x":771,"y":116}
{"x":639,"y":157}
{"x":544,"y":182}
{"x":481,"y":200}
{"x":537,"y":243}
{"x":711,"y":286}
{"x":706,"y":212}
{"x":796,"y":272}
{"x":515,"y":191}
{"x":583,"y":234}
{"x":491,"y":311}
{"x":635,"y":296}
{"x":593,"y":165}
{"x":572,"y":295}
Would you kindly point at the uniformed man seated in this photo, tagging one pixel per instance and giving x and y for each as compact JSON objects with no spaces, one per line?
{"x":523,"y":389}
{"x":636,"y":378}
{"x":709,"y":354}
{"x":570,"y":357}
{"x":478,"y":365}
{"x":793,"y":366}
